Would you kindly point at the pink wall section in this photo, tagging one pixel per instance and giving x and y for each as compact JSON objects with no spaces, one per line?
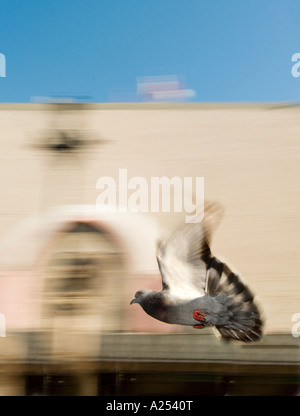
{"x":20,"y":299}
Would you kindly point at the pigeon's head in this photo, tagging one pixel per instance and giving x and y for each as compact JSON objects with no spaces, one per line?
{"x":140,"y":296}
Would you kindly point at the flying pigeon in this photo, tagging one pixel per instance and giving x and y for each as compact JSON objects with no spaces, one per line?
{"x":200,"y":290}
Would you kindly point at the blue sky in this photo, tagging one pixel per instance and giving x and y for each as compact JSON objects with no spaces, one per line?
{"x":227,"y":50}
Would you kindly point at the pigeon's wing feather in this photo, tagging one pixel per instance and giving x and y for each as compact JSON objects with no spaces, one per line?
{"x":183,"y":260}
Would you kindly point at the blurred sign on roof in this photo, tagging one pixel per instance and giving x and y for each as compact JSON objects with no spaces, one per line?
{"x":163,"y":88}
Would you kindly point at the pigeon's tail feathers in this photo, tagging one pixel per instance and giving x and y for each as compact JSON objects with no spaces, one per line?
{"x":244,"y":322}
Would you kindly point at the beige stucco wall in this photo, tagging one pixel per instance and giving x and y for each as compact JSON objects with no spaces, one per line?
{"x":248,"y":154}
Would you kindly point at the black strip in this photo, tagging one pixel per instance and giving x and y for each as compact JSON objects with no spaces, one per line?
{"x":217,"y":265}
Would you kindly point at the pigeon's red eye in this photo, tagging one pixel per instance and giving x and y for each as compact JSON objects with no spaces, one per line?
{"x":139,"y":293}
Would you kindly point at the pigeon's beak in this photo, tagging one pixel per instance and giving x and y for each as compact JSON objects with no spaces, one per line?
{"x":133,"y":301}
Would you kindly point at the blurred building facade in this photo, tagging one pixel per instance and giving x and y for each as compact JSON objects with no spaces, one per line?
{"x":69,"y":271}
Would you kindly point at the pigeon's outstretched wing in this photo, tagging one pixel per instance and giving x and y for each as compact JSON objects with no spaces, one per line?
{"x":184,"y":258}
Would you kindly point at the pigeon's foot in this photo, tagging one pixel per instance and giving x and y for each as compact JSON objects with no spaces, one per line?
{"x":199,"y":316}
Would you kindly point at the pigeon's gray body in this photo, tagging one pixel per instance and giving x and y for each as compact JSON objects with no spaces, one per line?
{"x":194,"y":281}
{"x":176,"y":310}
